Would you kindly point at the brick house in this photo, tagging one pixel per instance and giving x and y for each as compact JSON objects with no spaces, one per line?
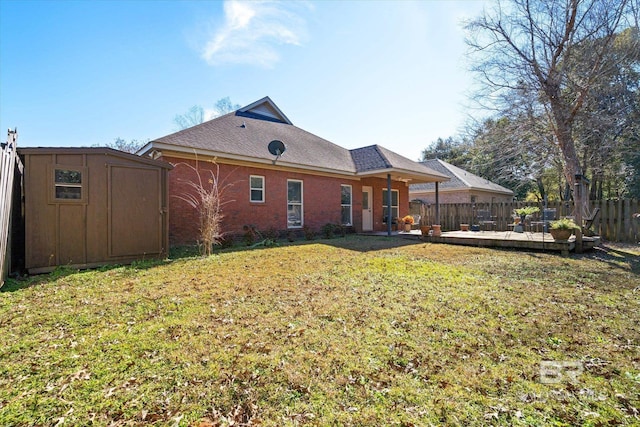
{"x":462,"y":187}
{"x":314,"y":182}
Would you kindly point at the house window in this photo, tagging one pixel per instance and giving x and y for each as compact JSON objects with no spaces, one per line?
{"x":294,"y":204}
{"x":394,"y":205}
{"x":473,"y":199}
{"x":345,"y":204}
{"x":256,"y":184}
{"x":69,"y":184}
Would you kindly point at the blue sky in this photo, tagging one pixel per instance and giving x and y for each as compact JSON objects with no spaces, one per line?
{"x":80,"y":73}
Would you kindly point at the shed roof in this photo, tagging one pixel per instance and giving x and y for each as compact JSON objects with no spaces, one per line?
{"x":96,"y":151}
{"x":460,"y":179}
{"x":246,"y":133}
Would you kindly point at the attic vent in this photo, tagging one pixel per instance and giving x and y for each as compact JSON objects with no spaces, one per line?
{"x":244,"y":125}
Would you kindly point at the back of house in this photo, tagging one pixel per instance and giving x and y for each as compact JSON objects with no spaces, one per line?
{"x":314,"y":182}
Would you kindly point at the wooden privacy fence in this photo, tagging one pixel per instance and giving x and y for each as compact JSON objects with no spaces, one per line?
{"x":615,"y":220}
{"x":8,"y":163}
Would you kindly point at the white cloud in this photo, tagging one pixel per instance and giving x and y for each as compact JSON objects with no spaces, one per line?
{"x":210,"y":113}
{"x":252,"y":31}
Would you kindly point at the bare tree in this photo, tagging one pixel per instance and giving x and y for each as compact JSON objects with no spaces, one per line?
{"x":197,"y":114}
{"x":514,"y":152}
{"x":519,"y":145}
{"x":607,"y":129}
{"x":531,"y":46}
{"x":224,"y":106}
{"x":127,"y":146}
{"x":193,"y":117}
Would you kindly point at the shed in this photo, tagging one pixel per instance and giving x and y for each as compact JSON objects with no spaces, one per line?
{"x":86,"y":207}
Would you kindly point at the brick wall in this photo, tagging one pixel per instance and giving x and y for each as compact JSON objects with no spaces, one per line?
{"x":321,"y":199}
{"x":379,"y":185}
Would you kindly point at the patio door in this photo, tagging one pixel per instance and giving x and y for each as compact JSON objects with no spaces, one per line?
{"x":367,"y":208}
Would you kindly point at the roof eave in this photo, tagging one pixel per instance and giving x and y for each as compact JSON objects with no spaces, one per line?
{"x":492,"y":190}
{"x":408,"y":176}
{"x":451,"y":190}
{"x":94,"y":150}
{"x":160,"y":146}
{"x":397,"y":174}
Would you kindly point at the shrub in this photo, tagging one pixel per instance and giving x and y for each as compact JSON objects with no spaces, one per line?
{"x":309,"y":234}
{"x":327,"y":230}
{"x":272,"y":234}
{"x":527,"y":210}
{"x":207,"y":197}
{"x":225,"y":242}
{"x":250,"y":234}
{"x":253,"y":237}
{"x":330,"y":230}
{"x":564,"y":224}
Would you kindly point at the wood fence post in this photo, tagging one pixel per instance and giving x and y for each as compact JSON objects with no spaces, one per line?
{"x":598,"y":224}
{"x":612,"y":225}
{"x":618,"y":220}
{"x":8,"y":164}
{"x":635,"y":209}
{"x":627,"y":231}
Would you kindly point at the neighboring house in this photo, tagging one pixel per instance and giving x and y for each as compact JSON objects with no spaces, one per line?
{"x":314,"y":182}
{"x":463,"y":187}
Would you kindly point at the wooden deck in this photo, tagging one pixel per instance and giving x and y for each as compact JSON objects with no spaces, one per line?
{"x":503,"y":239}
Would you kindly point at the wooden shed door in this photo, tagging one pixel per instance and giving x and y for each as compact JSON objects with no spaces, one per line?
{"x":135,"y":211}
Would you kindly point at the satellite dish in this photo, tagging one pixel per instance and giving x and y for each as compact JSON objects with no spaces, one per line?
{"x":277,"y":148}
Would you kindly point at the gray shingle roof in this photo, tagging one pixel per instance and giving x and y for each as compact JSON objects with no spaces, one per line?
{"x":369,"y":158}
{"x":460,"y":179}
{"x":241,"y":135}
{"x":247,"y":132}
{"x":376,"y":157}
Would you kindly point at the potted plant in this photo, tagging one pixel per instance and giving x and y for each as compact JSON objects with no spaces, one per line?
{"x":424,"y":229}
{"x":527,"y":210}
{"x":523,"y":213}
{"x":408,"y":222}
{"x":563,"y":228}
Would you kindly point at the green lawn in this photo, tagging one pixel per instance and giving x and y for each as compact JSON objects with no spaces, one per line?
{"x":348,"y":331}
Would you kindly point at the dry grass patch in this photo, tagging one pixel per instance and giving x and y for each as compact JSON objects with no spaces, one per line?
{"x":355,"y":331}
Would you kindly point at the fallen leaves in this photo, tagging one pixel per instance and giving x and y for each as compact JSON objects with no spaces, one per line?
{"x":365,"y":332}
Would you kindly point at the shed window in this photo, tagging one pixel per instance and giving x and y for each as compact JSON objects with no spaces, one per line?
{"x":345,"y":203}
{"x":68,"y":184}
{"x":257,"y":188}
